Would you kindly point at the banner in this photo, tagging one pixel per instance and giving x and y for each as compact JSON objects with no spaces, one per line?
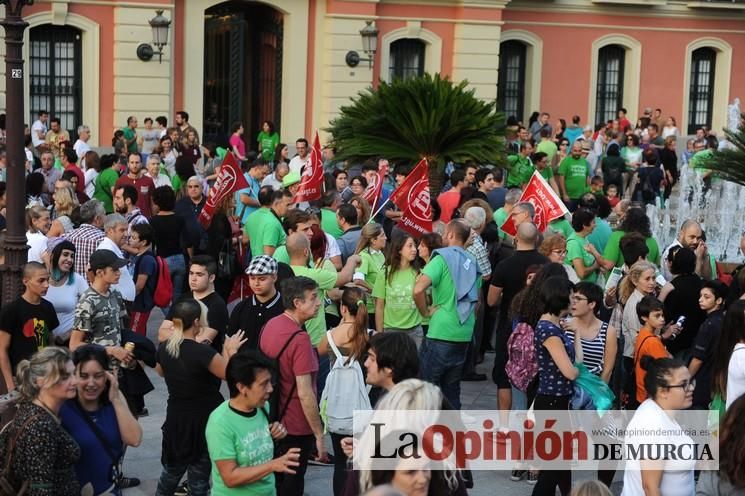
{"x":412,"y":197}
{"x":311,"y":183}
{"x":229,"y":181}
{"x":548,"y":206}
{"x":375,"y":188}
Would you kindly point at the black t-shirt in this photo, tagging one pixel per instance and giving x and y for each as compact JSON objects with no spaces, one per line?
{"x":250,"y":315}
{"x":189,"y":381}
{"x":703,"y":349}
{"x":170,"y":235}
{"x":30,"y":328}
{"x":509,"y":274}
{"x":217,"y":316}
{"x":683,"y":300}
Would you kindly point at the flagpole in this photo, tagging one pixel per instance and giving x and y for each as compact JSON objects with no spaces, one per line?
{"x":378,"y":210}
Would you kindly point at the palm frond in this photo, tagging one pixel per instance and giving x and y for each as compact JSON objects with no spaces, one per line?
{"x":729,"y":163}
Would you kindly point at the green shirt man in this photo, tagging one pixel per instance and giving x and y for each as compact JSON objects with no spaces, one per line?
{"x":573,"y":177}
{"x":263,"y":229}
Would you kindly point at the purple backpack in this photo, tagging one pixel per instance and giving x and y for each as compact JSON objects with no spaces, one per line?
{"x":522,"y":361}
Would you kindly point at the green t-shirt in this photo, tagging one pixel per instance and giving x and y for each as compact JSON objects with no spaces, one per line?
{"x":575,"y":176}
{"x":549,"y":148}
{"x":326,"y":279}
{"x":612,"y":250}
{"x":500,"y":217}
{"x":371,"y":266}
{"x":281,"y":255}
{"x":263,"y":229}
{"x":576,"y":249}
{"x":268,"y":144}
{"x":445,"y":323}
{"x":129,"y":134}
{"x":398,"y":294}
{"x":521,"y":169}
{"x":104,"y":182}
{"x":176,"y":182}
{"x":600,"y":235}
{"x":547,"y":173}
{"x":329,"y":224}
{"x":561,"y":226}
{"x":244,"y":438}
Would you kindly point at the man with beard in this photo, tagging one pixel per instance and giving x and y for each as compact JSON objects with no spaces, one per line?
{"x":691,"y":236}
{"x":142,"y":184}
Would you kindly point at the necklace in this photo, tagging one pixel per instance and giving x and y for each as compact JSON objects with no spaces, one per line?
{"x":39,"y":402}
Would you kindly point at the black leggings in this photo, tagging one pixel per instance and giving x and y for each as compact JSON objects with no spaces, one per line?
{"x":549,"y":479}
{"x":340,"y":464}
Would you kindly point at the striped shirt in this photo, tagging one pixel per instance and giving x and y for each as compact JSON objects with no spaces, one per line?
{"x":593,"y":350}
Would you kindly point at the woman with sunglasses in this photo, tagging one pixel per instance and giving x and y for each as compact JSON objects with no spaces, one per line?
{"x":100,"y":421}
{"x":670,"y":389}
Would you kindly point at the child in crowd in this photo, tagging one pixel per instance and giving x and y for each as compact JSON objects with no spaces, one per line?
{"x":649,"y":340}
{"x":612,"y":194}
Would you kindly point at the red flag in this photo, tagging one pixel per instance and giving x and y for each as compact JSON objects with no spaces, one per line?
{"x":412,"y":197}
{"x":312,"y":180}
{"x":375,"y":188}
{"x":229,"y":181}
{"x":548,"y":206}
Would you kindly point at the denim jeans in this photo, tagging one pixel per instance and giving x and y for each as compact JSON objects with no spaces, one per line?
{"x":441,"y":363}
{"x":177,"y":267}
{"x":198,"y":477}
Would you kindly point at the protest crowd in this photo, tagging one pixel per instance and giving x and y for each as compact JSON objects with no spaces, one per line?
{"x":313,"y":287}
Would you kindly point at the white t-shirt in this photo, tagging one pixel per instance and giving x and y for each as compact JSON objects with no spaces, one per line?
{"x":332,"y":247}
{"x":736,"y":374}
{"x":64,"y":298}
{"x":677,"y":477}
{"x":161,"y":180}
{"x":149,"y":140}
{"x":36,"y":128}
{"x":37,"y":243}
{"x":81,"y":148}
{"x":90,"y":182}
{"x":126,"y":284}
{"x":297,"y":163}
{"x":271,"y":180}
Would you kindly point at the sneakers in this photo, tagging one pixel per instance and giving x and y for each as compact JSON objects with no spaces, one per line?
{"x":532,"y":478}
{"x":328,"y":462}
{"x":518,"y":474}
{"x":127,"y":482}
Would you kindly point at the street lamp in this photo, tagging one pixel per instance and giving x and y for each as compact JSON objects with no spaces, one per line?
{"x":160,"y":25}
{"x":15,"y":247}
{"x":369,"y":45}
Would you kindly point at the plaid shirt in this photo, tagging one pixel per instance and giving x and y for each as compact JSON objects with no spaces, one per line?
{"x":477,"y":248}
{"x":86,"y":239}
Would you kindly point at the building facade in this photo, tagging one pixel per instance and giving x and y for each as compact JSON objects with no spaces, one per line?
{"x":284,"y":60}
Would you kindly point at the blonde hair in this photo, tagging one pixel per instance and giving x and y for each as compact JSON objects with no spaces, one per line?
{"x":411,"y":394}
{"x":551,"y":243}
{"x":368,"y":233}
{"x":185,"y":312}
{"x":591,"y":488}
{"x":628,"y":283}
{"x":34,"y":213}
{"x":48,"y":366}
{"x":65,"y":200}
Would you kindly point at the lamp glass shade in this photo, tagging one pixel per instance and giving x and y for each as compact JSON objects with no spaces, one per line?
{"x":160,"y":26}
{"x":369,"y":38}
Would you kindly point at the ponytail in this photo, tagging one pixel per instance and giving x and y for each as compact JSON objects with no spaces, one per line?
{"x":173,"y":345}
{"x":185,"y":312}
{"x":353,"y":299}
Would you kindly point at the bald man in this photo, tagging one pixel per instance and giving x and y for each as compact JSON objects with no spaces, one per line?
{"x":691,"y":236}
{"x":507,"y":279}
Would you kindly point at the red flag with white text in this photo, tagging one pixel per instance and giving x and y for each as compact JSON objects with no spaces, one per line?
{"x":548,"y":206}
{"x":229,"y":180}
{"x":412,"y":197}
{"x":311,"y":182}
{"x":375,"y":188}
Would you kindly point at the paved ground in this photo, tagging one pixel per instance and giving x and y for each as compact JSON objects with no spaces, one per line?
{"x":144,"y":462}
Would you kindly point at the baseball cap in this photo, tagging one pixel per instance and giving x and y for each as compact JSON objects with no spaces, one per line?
{"x":100,"y":259}
{"x":263,"y":265}
{"x":290,"y":179}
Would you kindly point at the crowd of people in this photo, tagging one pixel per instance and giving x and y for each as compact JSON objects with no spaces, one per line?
{"x":310,"y":310}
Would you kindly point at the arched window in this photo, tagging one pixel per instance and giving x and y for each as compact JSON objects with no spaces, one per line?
{"x":701,"y":91}
{"x":511,"y":82}
{"x":56,"y":74}
{"x":406,"y":58}
{"x":609,"y":95}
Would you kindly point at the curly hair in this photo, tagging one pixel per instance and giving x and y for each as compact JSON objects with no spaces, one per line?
{"x":636,"y":220}
{"x":530,"y":308}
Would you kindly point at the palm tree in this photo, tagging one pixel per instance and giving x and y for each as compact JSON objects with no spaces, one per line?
{"x":729,"y":163}
{"x":425,"y":117}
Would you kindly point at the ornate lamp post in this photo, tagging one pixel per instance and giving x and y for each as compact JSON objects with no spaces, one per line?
{"x":15,"y":241}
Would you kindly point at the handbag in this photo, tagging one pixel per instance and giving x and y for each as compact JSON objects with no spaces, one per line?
{"x":226,"y":263}
{"x":115,"y":473}
{"x":7,"y":488}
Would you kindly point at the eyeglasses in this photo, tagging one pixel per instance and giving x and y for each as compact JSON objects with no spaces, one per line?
{"x":560,"y":252}
{"x":685,"y":385}
{"x":578,"y":298}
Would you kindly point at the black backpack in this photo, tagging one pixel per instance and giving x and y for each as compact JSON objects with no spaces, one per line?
{"x":275,"y":412}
